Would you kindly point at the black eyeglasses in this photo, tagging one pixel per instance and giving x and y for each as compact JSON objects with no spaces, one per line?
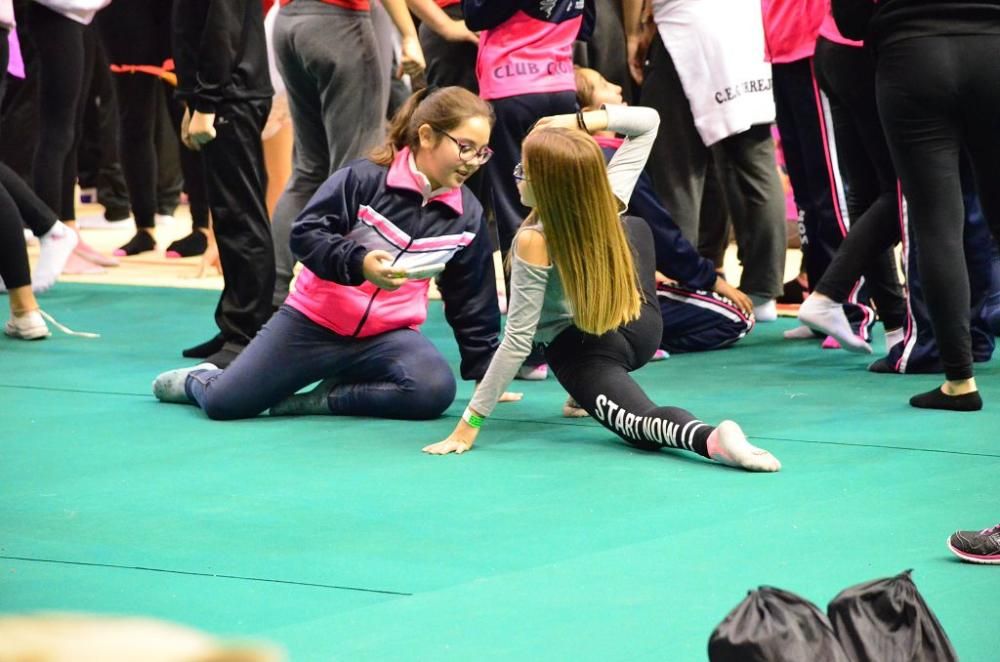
{"x":467,"y":152}
{"x":519,"y":173}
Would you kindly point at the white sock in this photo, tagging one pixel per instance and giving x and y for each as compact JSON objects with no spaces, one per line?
{"x":56,"y":246}
{"x":893,"y":338}
{"x":727,"y":444}
{"x":765,"y":312}
{"x":827,"y":316}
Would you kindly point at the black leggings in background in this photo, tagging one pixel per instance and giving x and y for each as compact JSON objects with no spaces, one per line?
{"x":31,"y":210}
{"x":594,"y":370}
{"x":14,"y":268}
{"x":137,"y":32}
{"x":936,"y":96}
{"x":846,"y":74}
{"x":65,"y":51}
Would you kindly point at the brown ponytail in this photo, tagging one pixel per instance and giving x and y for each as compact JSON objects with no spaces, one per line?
{"x":443,"y":108}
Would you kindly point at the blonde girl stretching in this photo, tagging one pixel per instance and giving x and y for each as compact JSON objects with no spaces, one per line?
{"x":582,"y":282}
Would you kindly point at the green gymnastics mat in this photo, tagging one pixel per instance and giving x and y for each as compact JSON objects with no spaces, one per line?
{"x":337,"y":539}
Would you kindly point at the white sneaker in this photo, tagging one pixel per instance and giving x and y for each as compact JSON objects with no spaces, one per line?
{"x":29,"y":326}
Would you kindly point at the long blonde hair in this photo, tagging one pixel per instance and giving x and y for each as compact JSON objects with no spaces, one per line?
{"x":583,"y":233}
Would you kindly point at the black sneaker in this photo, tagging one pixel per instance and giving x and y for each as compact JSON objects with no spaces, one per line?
{"x":977,"y":546}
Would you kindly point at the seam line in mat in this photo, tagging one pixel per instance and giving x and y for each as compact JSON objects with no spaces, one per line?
{"x":861,"y":445}
{"x":73,"y":390}
{"x":206,"y":574}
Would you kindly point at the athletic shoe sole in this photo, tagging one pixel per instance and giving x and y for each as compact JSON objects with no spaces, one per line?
{"x":993,"y":559}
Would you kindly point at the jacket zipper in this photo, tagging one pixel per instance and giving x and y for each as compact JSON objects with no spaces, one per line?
{"x":371,"y":302}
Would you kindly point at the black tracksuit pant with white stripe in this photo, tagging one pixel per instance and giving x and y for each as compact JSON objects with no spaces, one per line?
{"x":819,"y":145}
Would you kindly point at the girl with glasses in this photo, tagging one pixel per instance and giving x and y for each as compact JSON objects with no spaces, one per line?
{"x":369,"y":240}
{"x":582,"y":284}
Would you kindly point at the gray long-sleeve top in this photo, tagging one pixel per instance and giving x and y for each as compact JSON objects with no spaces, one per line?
{"x":537,"y":309}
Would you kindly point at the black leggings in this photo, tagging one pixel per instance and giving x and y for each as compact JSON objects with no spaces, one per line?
{"x":65,"y":66}
{"x":846,"y":75}
{"x":13,"y":254}
{"x":32,"y":211}
{"x":936,"y":96}
{"x":594,"y":370}
{"x":14,"y":268}
{"x":137,"y":33}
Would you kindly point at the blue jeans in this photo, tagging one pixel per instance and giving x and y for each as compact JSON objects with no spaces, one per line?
{"x":398,"y":374}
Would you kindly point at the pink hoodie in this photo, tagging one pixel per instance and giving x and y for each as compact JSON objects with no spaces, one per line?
{"x":791,"y":28}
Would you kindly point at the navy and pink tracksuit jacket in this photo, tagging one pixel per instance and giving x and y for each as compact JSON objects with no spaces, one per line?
{"x":365,"y":206}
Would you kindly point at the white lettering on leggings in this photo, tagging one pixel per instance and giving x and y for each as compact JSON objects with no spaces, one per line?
{"x":633,"y":426}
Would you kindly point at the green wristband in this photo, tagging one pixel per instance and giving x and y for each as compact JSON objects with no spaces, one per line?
{"x":474,"y":420}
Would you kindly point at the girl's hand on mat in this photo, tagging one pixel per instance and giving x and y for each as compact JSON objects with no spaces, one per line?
{"x":459,"y":441}
{"x":379,"y":272}
{"x":741,"y":300}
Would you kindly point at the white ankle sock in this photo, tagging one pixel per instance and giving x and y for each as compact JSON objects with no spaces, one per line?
{"x":827,"y":316}
{"x":766,"y":311}
{"x":56,"y":246}
{"x":727,"y":444}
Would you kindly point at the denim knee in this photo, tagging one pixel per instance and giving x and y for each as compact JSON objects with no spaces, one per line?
{"x":433,"y":394}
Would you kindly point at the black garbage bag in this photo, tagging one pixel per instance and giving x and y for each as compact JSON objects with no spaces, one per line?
{"x":772,"y":625}
{"x":887,"y":619}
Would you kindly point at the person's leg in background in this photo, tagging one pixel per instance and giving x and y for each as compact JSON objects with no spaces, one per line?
{"x":329,"y":92}
{"x":65,"y":53}
{"x":193,"y":172}
{"x":919,"y":83}
{"x":756,"y":202}
{"x":99,"y":158}
{"x":678,"y":161}
{"x":847,"y":76}
{"x":169,"y":173}
{"x":917,"y":350}
{"x":695,"y":321}
{"x":237,"y":182}
{"x":811,"y":155}
{"x":131,"y":33}
{"x":25,"y":321}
